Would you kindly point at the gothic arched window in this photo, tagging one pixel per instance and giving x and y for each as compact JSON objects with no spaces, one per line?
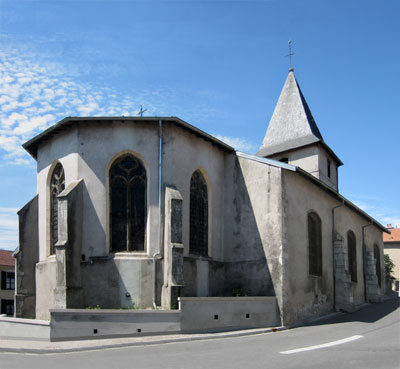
{"x":128,"y":181}
{"x":352,"y":255}
{"x":198,"y":215}
{"x":57,"y":185}
{"x":314,"y":245}
{"x":377,"y":256}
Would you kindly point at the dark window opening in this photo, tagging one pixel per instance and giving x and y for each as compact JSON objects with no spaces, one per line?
{"x":7,"y":307}
{"x":352,"y":255}
{"x":57,"y":185}
{"x":128,"y":184}
{"x":284,"y":160}
{"x":329,"y":168}
{"x":198,"y":215}
{"x":314,"y":245}
{"x":7,"y":280}
{"x":377,"y":256}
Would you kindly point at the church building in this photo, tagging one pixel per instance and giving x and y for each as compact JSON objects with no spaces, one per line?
{"x":134,"y":212}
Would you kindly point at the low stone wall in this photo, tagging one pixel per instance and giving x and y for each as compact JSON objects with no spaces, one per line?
{"x":72,"y":324}
{"x":28,"y":329}
{"x":211,"y":314}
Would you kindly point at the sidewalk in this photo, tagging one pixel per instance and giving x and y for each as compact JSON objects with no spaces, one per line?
{"x":46,"y":347}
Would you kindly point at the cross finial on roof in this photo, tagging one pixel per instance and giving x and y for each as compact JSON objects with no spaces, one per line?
{"x":290,"y":55}
{"x":141,"y":111}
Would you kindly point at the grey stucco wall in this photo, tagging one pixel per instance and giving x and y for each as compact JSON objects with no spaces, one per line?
{"x":26,"y":258}
{"x":313,"y":159}
{"x":253,"y":228}
{"x":306,"y":295}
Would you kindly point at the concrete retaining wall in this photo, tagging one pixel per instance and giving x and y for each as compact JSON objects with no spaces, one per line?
{"x":207,"y":314}
{"x":72,"y":324}
{"x":196,"y":314}
{"x":17,"y":328}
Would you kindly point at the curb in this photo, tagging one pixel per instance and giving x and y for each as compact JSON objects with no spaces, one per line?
{"x":100,"y":346}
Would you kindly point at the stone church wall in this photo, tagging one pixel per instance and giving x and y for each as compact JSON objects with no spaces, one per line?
{"x":25,"y":259}
{"x":305,"y":295}
{"x":252,"y":228}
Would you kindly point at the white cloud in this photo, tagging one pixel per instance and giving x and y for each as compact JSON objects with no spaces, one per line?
{"x":36,"y":93}
{"x":238,"y":143}
{"x":8,"y":228}
{"x":394,"y":221}
{"x":373,"y":206}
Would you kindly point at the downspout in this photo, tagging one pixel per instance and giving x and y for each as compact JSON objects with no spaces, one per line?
{"x":160,"y":148}
{"x":333,"y":253}
{"x":364,"y":253}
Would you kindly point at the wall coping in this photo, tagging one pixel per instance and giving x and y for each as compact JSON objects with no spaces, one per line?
{"x":113,"y":311}
{"x":227,"y":299}
{"x":24,"y":321}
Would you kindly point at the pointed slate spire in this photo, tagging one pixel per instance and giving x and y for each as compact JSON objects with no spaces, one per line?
{"x":292,"y":124}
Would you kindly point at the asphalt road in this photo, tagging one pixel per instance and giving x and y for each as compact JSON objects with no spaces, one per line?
{"x":366,"y":339}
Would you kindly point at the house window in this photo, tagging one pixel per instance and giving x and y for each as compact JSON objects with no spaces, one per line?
{"x":377,"y":256}
{"x":128,"y":182}
{"x":7,"y":280}
{"x":314,"y":245}
{"x":57,"y":185}
{"x":352,"y":255}
{"x":328,"y":164}
{"x":198,"y":215}
{"x":7,"y":307}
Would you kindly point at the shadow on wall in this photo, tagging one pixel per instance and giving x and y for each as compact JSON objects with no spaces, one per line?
{"x":246,"y":272}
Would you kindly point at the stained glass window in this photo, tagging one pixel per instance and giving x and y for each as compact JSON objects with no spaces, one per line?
{"x":198,"y":215}
{"x":352,"y":255}
{"x":128,"y":183}
{"x":57,"y":185}
{"x":314,"y":245}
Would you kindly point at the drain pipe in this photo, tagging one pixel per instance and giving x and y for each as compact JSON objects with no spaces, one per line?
{"x":364,"y":253}
{"x":160,"y":148}
{"x":333,"y":253}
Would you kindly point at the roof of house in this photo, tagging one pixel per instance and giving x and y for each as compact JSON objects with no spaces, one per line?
{"x":292,"y":124}
{"x":32,"y":145}
{"x":394,"y":235}
{"x":6,"y":258}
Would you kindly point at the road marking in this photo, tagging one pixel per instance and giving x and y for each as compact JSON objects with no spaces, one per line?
{"x":329,"y":344}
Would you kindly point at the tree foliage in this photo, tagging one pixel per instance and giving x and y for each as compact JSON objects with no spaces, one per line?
{"x":389,"y":266}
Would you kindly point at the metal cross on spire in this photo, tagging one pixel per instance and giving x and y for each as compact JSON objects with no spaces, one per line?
{"x":141,"y":111}
{"x":290,"y":54}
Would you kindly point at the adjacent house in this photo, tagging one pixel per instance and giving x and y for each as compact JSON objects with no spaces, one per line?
{"x":391,"y":246}
{"x":7,"y":266}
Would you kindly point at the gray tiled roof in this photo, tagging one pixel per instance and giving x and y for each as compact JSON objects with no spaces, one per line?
{"x":292,"y":124}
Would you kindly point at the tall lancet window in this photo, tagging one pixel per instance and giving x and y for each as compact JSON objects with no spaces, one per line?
{"x":352,"y":255}
{"x":128,"y":181}
{"x":198,"y":215}
{"x":57,"y":185}
{"x":377,"y":256}
{"x":314,"y":245}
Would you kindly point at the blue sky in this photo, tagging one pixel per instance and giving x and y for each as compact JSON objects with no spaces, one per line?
{"x":219,"y":65}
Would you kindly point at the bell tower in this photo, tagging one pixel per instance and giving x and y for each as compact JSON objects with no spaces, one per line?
{"x":293,"y":136}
